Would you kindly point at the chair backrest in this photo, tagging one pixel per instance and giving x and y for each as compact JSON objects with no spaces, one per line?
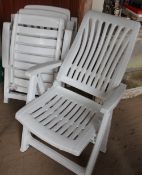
{"x":51,"y":9}
{"x":35,"y":39}
{"x":99,"y":54}
{"x":40,"y":12}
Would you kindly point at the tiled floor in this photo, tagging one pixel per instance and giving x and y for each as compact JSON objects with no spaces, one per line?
{"x":124,"y":155}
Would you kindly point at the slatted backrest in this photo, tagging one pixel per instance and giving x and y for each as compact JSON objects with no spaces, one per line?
{"x":58,"y":10}
{"x":35,"y":39}
{"x":100,"y":53}
{"x":41,"y":12}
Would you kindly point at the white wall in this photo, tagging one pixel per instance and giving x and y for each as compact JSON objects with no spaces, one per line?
{"x":97,"y":5}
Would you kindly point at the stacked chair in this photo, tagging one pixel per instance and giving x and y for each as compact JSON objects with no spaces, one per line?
{"x":36,"y":34}
{"x":95,"y":64}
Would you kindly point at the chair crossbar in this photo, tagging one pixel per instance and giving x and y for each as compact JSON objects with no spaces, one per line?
{"x":57,"y":157}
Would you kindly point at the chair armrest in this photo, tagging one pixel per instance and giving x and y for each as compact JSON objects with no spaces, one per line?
{"x":69,"y":35}
{"x":66,"y":43}
{"x":43,"y":67}
{"x":6,"y":35}
{"x":112,"y":98}
{"x":70,"y":25}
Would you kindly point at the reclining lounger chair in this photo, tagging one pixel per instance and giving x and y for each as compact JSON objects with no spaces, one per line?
{"x":95,"y":64}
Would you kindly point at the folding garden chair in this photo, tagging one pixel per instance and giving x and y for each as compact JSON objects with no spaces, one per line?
{"x":95,"y":64}
{"x":34,"y":40}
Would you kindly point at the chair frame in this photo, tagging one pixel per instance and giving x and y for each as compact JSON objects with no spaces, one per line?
{"x":111,"y":97}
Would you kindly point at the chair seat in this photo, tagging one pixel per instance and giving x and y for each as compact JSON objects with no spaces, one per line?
{"x":63,"y":119}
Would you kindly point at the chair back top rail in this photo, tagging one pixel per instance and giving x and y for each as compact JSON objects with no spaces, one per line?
{"x":50,"y":8}
{"x":43,"y":13}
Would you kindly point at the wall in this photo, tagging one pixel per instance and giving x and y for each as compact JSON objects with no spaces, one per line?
{"x":98,"y":5}
{"x":84,"y":6}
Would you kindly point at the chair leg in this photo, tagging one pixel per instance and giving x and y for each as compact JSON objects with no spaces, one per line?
{"x":97,"y":145}
{"x":26,"y":135}
{"x":6,"y":85}
{"x":105,"y":139}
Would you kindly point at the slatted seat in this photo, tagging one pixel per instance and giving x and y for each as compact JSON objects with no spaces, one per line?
{"x":62,"y":121}
{"x":95,"y":64}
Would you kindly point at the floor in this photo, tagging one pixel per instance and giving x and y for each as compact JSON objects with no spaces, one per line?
{"x":123,"y":157}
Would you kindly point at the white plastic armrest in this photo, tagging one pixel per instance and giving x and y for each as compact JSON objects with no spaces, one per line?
{"x":6,"y":33}
{"x":112,"y":98}
{"x":70,"y":25}
{"x":66,"y":43}
{"x":43,"y":67}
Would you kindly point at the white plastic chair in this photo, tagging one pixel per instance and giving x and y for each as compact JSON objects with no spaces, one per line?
{"x":35,"y":39}
{"x":95,"y":64}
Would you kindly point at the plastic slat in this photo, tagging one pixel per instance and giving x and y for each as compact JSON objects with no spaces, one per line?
{"x":41,"y":12}
{"x":72,"y":125}
{"x":81,"y":127}
{"x":35,"y":50}
{"x":80,"y":69}
{"x":107,"y":55}
{"x":97,"y":26}
{"x":65,"y":111}
{"x":81,"y":50}
{"x":62,"y":117}
{"x":54,"y":9}
{"x":76,"y":112}
{"x":37,"y":32}
{"x":44,"y":116}
{"x":113,"y":55}
{"x":38,"y":20}
{"x":25,"y":83}
{"x":113,"y":67}
{"x":36,"y":59}
{"x":51,"y":101}
{"x":18,"y":73}
{"x":34,"y":41}
{"x":23,"y":65}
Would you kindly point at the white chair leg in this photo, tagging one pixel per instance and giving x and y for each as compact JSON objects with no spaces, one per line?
{"x":26,"y":135}
{"x":97,"y":145}
{"x":105,"y":139}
